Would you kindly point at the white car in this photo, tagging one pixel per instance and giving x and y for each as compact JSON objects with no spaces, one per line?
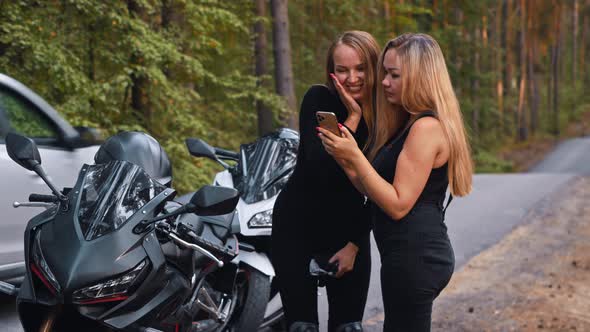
{"x":64,"y":149}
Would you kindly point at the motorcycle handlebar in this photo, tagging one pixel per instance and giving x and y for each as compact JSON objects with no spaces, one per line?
{"x":226,"y":154}
{"x":43,"y":198}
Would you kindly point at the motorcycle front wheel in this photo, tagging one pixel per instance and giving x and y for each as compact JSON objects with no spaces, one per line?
{"x":253,"y":293}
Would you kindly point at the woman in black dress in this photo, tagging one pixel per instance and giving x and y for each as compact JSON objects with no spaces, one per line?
{"x":417,"y":150}
{"x":319,"y":212}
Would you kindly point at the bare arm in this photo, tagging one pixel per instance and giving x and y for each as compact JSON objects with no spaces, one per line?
{"x":424,"y":143}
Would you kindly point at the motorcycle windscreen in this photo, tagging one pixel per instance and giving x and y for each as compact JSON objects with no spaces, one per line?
{"x":111,"y":193}
{"x":266,"y":165}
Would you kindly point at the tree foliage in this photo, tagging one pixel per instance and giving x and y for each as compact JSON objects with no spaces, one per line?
{"x":185,"y":68}
{"x":175,"y":69}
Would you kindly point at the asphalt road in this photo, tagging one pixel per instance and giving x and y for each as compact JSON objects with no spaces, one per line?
{"x":497,"y":205}
{"x":571,"y":156}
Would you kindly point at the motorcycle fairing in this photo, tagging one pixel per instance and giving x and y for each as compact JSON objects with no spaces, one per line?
{"x":78,"y":263}
{"x":266,"y":165}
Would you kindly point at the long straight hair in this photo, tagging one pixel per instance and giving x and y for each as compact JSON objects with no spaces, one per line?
{"x":368,"y":50}
{"x":426,"y":86}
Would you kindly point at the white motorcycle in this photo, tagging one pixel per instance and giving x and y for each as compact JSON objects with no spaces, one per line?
{"x":260,"y":171}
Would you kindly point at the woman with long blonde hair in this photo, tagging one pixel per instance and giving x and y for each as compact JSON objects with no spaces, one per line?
{"x":319,"y":215}
{"x":417,"y":148}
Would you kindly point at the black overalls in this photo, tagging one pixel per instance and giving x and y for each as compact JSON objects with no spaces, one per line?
{"x":417,"y":258}
{"x":320,"y":211}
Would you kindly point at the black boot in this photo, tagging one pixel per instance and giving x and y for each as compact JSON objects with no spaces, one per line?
{"x":350,"y":327}
{"x":304,"y":327}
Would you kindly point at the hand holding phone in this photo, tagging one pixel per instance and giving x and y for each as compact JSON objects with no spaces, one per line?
{"x":328,"y":121}
{"x":320,"y":265}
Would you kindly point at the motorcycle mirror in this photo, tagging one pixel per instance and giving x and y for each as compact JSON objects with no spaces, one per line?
{"x":199,"y":148}
{"x":23,"y":151}
{"x":214,"y":200}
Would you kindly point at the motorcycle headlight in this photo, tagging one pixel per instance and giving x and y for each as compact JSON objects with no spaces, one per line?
{"x":116,"y":289}
{"x":40,"y":267}
{"x":261,"y":219}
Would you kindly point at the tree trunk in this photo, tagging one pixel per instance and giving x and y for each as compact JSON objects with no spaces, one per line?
{"x":499,"y":64}
{"x":574,"y":83}
{"x":91,"y":61}
{"x":484,"y":31}
{"x":533,"y":86}
{"x":260,"y":47}
{"x":575,"y":18}
{"x":139,"y":82}
{"x":445,"y":13}
{"x":585,"y":45}
{"x":506,"y":46}
{"x":435,"y":15}
{"x":549,"y":85}
{"x":167,"y":13}
{"x":522,"y":125}
{"x":506,"y":61}
{"x":282,"y":55}
{"x":475,"y":87}
{"x":555,"y":66}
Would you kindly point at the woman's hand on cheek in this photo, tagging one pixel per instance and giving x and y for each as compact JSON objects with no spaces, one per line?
{"x":352,"y":106}
{"x":341,"y":148}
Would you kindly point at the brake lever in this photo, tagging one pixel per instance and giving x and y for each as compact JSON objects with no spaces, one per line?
{"x":36,"y":204}
{"x":195,"y":247}
{"x":165,"y":228}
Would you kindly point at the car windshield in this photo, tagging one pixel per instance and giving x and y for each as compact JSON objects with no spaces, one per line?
{"x":265,"y":165}
{"x":111,"y":194}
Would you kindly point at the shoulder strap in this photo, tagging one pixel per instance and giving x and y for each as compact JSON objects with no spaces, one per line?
{"x":448,"y":203}
{"x":407,"y":128}
{"x":420,"y":116}
{"x":444,"y":210}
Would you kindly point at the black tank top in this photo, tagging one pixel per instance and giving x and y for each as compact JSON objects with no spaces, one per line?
{"x":434,"y":191}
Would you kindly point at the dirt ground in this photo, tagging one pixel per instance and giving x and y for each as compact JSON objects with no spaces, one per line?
{"x":536,"y":279}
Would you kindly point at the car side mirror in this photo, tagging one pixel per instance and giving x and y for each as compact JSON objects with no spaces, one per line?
{"x":89,"y":136}
{"x":214,"y":200}
{"x":23,"y":151}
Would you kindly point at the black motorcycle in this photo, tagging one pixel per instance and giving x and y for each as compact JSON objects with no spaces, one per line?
{"x":115,"y":252}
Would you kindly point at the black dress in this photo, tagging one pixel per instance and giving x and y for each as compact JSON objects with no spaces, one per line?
{"x":320,"y":211}
{"x":417,"y":258}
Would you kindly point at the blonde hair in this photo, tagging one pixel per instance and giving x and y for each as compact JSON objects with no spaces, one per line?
{"x":368,"y":49}
{"x":426,"y":86}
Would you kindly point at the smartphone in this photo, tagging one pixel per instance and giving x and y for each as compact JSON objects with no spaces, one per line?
{"x":328,"y":121}
{"x":320,"y":266}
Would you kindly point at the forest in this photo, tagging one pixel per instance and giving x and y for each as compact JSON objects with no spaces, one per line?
{"x":230,"y":71}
